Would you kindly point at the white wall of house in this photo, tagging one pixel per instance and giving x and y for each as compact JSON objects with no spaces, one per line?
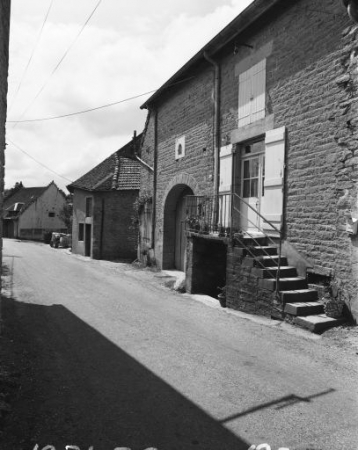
{"x":43,"y":214}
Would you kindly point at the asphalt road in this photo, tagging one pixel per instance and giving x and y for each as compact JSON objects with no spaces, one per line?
{"x":117,"y":360}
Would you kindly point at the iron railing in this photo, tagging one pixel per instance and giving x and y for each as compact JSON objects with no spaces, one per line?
{"x":209,"y":214}
{"x":222,"y":216}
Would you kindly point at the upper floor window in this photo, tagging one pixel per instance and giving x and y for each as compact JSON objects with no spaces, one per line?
{"x":252,"y":94}
{"x":88,"y":206}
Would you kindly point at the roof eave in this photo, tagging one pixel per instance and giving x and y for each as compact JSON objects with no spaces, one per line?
{"x":250,"y":15}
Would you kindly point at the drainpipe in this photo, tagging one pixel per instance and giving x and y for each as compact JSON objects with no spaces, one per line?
{"x":155,"y":163}
{"x":216,"y":133}
{"x":102,"y":231}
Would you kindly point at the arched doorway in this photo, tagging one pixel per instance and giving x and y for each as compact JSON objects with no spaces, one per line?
{"x":174,"y":238}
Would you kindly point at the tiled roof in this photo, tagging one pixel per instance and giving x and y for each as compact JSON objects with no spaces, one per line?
{"x":23,"y":195}
{"x":116,"y":172}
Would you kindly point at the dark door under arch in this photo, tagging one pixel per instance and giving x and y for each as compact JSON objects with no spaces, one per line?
{"x":180,"y":234}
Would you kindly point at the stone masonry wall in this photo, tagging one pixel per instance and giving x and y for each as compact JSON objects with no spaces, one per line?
{"x":118,"y":239}
{"x":187,"y":111}
{"x":311,"y":50}
{"x":4,"y":64}
{"x":243,"y":290}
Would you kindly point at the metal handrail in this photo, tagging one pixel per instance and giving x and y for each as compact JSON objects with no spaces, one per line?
{"x":202,"y":209}
{"x":277,"y":288}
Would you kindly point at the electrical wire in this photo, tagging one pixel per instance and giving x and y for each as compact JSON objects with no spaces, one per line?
{"x":43,"y":119}
{"x":81,"y":112}
{"x":31,"y":56}
{"x":60,"y":61}
{"x":38,"y":162}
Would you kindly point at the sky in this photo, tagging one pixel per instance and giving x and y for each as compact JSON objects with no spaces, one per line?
{"x":64,"y":60}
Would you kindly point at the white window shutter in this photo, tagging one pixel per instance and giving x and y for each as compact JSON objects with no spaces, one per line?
{"x":258,"y":103}
{"x":272,"y":202}
{"x":252,"y":94}
{"x":225,"y":169}
{"x":244,"y":99}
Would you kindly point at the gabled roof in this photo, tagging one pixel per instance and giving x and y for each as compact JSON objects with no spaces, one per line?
{"x":17,"y":202}
{"x":117,"y":172}
{"x":23,"y":195}
{"x":241,"y":22}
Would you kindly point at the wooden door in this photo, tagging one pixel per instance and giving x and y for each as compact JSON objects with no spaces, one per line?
{"x":88,"y":238}
{"x":252,"y":177}
{"x":180,"y":233}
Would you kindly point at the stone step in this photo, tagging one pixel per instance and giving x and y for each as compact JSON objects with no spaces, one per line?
{"x":285,"y":284}
{"x":299,"y":295}
{"x":264,"y":250}
{"x":318,"y":323}
{"x":250,"y":241}
{"x":269,"y":261}
{"x":303,"y":308}
{"x":271,"y":272}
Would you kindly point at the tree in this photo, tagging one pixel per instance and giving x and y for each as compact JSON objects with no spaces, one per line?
{"x":66,"y":214}
{"x":18,"y":185}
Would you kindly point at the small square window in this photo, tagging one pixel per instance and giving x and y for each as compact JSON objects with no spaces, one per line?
{"x":81,"y":231}
{"x":51,"y":214}
{"x":180,"y":147}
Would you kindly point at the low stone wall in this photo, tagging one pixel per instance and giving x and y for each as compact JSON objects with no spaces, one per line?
{"x":244,"y":289}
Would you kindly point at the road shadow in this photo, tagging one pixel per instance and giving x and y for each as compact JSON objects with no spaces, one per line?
{"x":78,"y":388}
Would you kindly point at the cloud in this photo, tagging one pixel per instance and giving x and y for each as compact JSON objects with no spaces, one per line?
{"x":127,"y":49}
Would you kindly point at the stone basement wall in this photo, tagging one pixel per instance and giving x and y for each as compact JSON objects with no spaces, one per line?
{"x":206,"y":265}
{"x":243,"y":286}
{"x":4,"y":64}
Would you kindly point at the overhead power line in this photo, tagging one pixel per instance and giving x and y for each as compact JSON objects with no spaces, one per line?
{"x":61,"y":60}
{"x":37,"y":161}
{"x":84,"y":111}
{"x":31,"y":56}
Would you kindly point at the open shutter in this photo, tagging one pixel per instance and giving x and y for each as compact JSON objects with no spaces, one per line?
{"x":225,"y":169}
{"x":272,"y":202}
{"x":258,"y":91}
{"x":225,"y":186}
{"x":244,"y":98}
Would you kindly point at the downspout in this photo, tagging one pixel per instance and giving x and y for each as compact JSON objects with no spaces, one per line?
{"x":155,"y":163}
{"x":102,"y":231}
{"x":216,"y":133}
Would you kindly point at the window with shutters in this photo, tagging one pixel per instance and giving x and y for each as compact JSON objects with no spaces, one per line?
{"x":252,"y":94}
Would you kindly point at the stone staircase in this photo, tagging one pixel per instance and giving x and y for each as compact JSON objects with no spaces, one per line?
{"x":298,"y":303}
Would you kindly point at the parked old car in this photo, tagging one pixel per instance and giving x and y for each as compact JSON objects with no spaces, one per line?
{"x":60,"y":240}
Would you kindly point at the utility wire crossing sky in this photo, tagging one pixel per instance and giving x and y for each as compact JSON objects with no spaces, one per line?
{"x":67,"y":56}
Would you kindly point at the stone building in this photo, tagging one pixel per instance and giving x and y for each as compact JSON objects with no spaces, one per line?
{"x":4,"y":64}
{"x":256,"y":138}
{"x":104,"y":215}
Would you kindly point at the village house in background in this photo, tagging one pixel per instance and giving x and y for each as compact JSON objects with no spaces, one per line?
{"x":253,"y":149}
{"x":29,"y":213}
{"x":104,"y":215}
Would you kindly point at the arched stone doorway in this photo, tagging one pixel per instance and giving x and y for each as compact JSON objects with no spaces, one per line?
{"x":174,"y":235}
